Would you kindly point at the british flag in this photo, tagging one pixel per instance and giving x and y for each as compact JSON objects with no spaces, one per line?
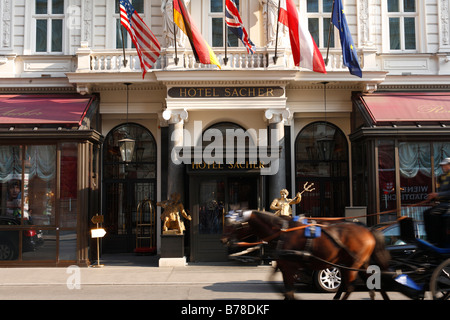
{"x":236,"y":26}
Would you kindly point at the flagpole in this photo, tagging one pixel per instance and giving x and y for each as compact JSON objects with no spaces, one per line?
{"x":329,"y":33}
{"x":123,"y":40}
{"x":174,"y":35}
{"x":225,"y":60}
{"x":275,"y":58}
{"x":175,"y":40}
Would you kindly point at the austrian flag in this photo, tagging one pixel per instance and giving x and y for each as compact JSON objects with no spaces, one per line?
{"x":304,"y":49}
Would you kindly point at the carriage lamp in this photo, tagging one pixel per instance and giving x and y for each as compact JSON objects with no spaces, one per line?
{"x":326,"y":148}
{"x":126,"y":147}
{"x":326,"y":143}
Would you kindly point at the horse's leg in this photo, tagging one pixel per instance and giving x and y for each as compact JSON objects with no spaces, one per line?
{"x":350,"y":289}
{"x":348,"y":277}
{"x":338,"y":294}
{"x":384,"y":294}
{"x":344,"y":285}
{"x":288,"y":272}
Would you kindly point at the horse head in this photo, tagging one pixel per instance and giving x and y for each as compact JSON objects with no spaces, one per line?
{"x":236,"y":226}
{"x":241,"y":225}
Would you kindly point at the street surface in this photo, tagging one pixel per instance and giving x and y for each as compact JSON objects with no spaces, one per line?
{"x":139,"y":278}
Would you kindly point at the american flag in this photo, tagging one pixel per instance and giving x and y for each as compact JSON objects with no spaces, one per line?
{"x":236,"y":26}
{"x":147,"y":46}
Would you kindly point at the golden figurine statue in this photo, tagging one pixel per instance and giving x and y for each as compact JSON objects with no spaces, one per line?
{"x":282,"y":205}
{"x":171,"y":215}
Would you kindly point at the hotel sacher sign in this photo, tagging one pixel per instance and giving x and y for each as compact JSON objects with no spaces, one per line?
{"x":226,"y":92}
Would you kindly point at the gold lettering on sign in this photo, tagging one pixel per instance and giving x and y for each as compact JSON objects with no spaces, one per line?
{"x":17,"y":112}
{"x":232,"y":165}
{"x":432,"y":109}
{"x":225,"y":92}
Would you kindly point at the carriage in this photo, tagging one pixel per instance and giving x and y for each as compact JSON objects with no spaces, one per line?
{"x":349,"y":246}
{"x":428,"y":267}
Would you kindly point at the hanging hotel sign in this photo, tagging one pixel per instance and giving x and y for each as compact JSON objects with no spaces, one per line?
{"x":226,"y":92}
{"x":237,"y":165}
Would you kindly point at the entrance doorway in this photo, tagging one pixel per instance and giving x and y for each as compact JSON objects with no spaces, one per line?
{"x":211,"y":198}
{"x":321,"y":156}
{"x":125,"y":184}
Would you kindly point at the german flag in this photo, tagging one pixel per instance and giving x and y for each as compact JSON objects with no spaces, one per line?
{"x":202,"y":51}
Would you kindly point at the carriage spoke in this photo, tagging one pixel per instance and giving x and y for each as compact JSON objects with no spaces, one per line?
{"x":440,"y":281}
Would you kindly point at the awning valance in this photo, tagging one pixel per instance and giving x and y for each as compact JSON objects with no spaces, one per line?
{"x":405,"y":108}
{"x":34,"y":109}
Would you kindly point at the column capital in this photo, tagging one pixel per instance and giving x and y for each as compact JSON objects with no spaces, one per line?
{"x":174,"y":116}
{"x":277,"y":115}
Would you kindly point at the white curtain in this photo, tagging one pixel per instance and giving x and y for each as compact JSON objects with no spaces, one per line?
{"x":42,"y":161}
{"x":416,"y":156}
{"x":10,"y":163}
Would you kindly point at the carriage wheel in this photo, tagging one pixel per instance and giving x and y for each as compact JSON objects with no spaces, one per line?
{"x":440,"y":281}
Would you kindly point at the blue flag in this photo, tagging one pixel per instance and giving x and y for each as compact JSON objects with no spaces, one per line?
{"x":350,"y":58}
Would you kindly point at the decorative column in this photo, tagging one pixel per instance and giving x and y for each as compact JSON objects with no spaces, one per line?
{"x":172,"y":245}
{"x":175,"y":171}
{"x":277,"y":181}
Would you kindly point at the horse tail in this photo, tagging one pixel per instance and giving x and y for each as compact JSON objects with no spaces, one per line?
{"x":380,"y":255}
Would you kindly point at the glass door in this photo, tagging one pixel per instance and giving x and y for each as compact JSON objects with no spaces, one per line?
{"x":122,"y":198}
{"x":212,"y":199}
{"x":211,"y":207}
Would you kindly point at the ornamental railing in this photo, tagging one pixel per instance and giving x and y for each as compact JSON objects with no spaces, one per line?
{"x":183,"y":59}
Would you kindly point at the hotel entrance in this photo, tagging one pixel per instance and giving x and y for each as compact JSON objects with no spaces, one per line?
{"x":126,"y":184}
{"x":211,"y":197}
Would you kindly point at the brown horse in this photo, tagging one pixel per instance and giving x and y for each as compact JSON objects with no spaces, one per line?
{"x":346,"y":244}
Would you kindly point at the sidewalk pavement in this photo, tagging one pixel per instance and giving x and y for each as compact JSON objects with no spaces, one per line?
{"x":131,"y":277}
{"x":138,"y":270}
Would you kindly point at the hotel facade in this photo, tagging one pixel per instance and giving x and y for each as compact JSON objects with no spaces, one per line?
{"x":370,"y":145}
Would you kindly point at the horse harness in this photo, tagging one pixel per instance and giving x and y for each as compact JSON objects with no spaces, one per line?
{"x":306,"y":253}
{"x":314,"y":232}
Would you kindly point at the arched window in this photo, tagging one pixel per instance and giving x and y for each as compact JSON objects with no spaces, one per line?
{"x":223,"y":128}
{"x":321,"y":157}
{"x":126,"y":184}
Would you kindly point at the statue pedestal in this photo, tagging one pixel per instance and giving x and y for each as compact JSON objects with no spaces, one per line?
{"x":172,"y":250}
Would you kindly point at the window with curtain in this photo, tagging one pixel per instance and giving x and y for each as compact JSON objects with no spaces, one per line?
{"x":319,"y":18}
{"x":402,"y":16}
{"x":28,"y":183}
{"x":49,"y":19}
{"x":415,"y":176}
{"x":40,"y":183}
{"x":418,"y":166}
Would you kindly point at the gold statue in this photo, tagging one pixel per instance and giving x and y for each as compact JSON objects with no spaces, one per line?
{"x":171,"y":215}
{"x":282,"y":205}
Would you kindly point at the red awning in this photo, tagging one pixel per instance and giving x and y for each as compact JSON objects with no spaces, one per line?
{"x":430,"y":107}
{"x":65,"y":109}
